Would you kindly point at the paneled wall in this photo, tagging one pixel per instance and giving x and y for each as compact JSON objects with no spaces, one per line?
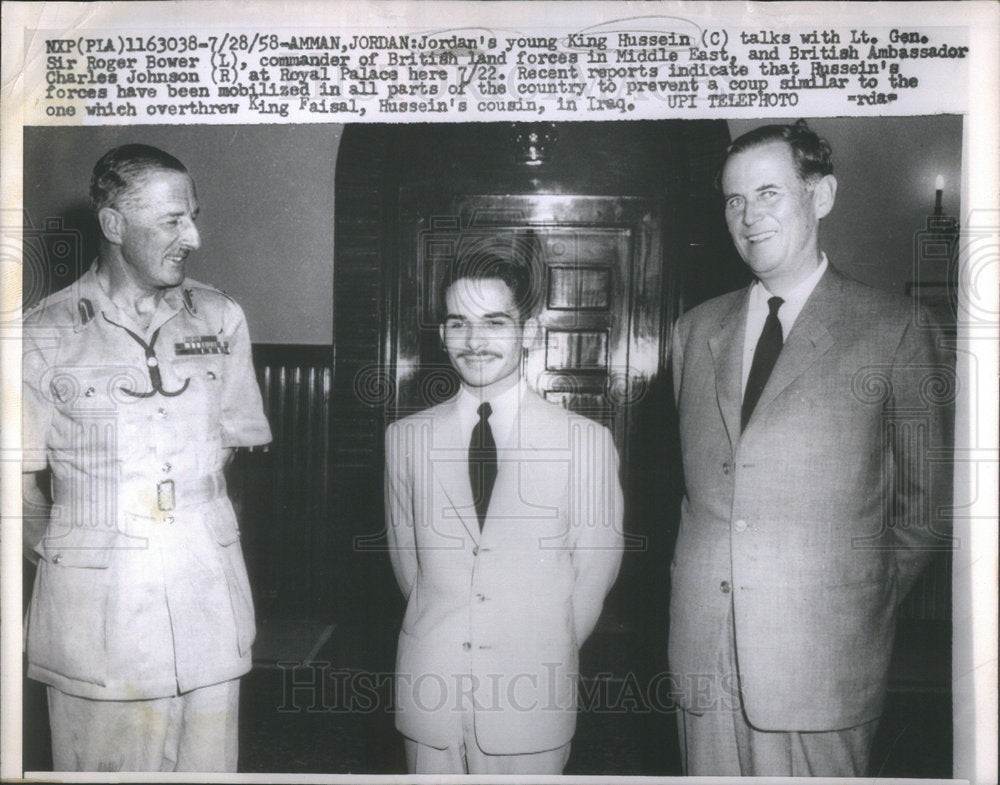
{"x":283,"y":492}
{"x":930,"y":599}
{"x":364,"y":258}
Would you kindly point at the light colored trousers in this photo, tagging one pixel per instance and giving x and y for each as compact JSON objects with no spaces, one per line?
{"x":465,"y":757}
{"x":196,"y":731}
{"x":721,"y":743}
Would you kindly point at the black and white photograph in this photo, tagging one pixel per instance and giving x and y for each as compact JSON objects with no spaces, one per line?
{"x":501,"y":448}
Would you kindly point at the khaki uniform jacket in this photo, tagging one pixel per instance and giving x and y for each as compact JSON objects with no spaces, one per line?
{"x":141,"y":588}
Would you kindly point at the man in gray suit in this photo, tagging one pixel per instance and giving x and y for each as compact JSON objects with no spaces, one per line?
{"x":504,"y":520}
{"x":815,"y":429}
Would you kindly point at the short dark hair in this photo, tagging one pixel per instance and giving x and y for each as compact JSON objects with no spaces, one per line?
{"x":810,"y":152}
{"x":119,"y":169}
{"x":489,"y":265}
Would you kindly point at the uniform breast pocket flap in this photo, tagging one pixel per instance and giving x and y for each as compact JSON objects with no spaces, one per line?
{"x":202,"y":370}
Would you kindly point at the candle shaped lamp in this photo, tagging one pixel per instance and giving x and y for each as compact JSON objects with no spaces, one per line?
{"x":938,"y":188}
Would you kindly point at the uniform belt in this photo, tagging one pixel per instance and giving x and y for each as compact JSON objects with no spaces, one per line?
{"x":170,"y":494}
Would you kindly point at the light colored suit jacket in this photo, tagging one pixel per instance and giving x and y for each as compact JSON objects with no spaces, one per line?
{"x":816,"y":520}
{"x":499,"y":615}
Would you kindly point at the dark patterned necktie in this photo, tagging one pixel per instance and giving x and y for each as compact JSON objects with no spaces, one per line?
{"x":768,"y":348}
{"x":482,"y":463}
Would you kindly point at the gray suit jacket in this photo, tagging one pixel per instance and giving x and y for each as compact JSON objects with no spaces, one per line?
{"x":499,"y":615}
{"x":816,"y":520}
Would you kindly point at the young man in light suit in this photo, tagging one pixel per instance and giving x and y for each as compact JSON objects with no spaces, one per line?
{"x":815,"y":434}
{"x":505,"y":531}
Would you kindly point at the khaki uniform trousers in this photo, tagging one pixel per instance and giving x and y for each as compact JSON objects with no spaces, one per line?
{"x":195,"y":731}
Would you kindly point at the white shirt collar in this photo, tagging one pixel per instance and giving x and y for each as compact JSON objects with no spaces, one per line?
{"x":794,"y":300}
{"x":505,"y":406}
{"x":790,"y":309}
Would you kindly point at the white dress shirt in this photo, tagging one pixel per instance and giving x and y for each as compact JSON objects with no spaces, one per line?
{"x":505,"y":408}
{"x":790,"y":309}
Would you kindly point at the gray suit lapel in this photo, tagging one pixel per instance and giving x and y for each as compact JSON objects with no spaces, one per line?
{"x":807,"y":342}
{"x":450,"y":465}
{"x":726,"y":347}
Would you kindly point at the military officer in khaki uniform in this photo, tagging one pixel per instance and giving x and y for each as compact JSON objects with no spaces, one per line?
{"x":138,"y":385}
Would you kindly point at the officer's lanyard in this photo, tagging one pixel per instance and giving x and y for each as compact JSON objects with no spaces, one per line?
{"x":151,"y":363}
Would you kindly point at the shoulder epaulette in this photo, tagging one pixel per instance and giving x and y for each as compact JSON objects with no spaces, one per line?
{"x":86,"y":310}
{"x":192,"y":285}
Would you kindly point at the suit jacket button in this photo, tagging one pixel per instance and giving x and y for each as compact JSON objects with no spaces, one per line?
{"x":725,"y":587}
{"x":475,"y":550}
{"x":466,"y":646}
{"x":740,"y":525}
{"x":57,"y":558}
{"x":480,"y":598}
{"x":725,"y":468}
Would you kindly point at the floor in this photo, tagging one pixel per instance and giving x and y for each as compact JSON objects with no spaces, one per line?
{"x":334,"y":715}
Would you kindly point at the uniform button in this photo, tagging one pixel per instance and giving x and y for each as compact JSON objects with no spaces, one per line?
{"x":725,"y":468}
{"x":480,"y":598}
{"x":725,"y":587}
{"x":90,"y":392}
{"x":152,"y":362}
{"x":740,"y":525}
{"x":57,"y":558}
{"x":466,"y":646}
{"x":169,"y":519}
{"x":161,"y":412}
{"x":166,"y":467}
{"x":475,"y":550}
{"x":211,"y":374}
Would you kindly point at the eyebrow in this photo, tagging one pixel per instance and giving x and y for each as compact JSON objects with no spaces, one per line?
{"x":172,"y":213}
{"x":757,"y":190}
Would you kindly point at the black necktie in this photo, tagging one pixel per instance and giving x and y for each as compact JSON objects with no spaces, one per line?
{"x":768,"y":347}
{"x":482,"y":463}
